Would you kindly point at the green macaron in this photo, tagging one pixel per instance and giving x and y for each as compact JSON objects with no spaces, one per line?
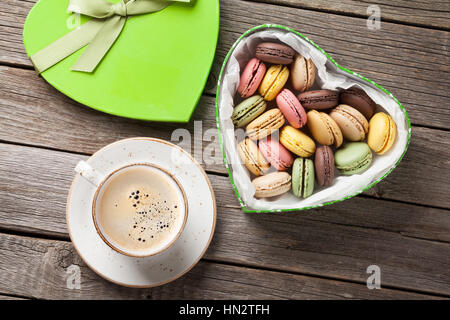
{"x":248,"y":110}
{"x":303,"y":177}
{"x":353,"y":158}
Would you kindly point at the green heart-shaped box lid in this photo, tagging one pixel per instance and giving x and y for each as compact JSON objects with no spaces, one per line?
{"x":156,"y":70}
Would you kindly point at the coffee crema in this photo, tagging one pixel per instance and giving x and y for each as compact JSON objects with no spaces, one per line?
{"x":140,"y":208}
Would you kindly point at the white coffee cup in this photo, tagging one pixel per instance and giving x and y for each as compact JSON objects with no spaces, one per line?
{"x":101,"y":181}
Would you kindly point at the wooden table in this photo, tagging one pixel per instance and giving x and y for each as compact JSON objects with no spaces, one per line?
{"x":402,"y":225}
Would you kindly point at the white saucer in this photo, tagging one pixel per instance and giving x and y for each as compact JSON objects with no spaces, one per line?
{"x":168,"y":265}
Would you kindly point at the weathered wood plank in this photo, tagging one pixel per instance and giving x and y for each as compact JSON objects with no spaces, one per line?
{"x":34,"y":107}
{"x":29,"y":108}
{"x":39,"y":269}
{"x":422,"y":177}
{"x":403,"y":59}
{"x":416,"y":12}
{"x":2,"y":297}
{"x":411,"y":244}
{"x":411,"y":62}
{"x":296,"y":238}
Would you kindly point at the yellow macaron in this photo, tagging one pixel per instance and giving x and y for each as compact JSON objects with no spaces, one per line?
{"x":324,"y":129}
{"x":297,"y":142}
{"x":382,"y":133}
{"x":252,"y":157}
{"x":273,"y":82}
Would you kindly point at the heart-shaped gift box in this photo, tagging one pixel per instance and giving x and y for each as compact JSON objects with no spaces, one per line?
{"x":156,"y":69}
{"x":330,"y":75}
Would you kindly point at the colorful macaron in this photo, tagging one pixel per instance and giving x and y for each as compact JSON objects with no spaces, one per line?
{"x":297,"y":142}
{"x":291,"y":108}
{"x":275,"y":53}
{"x":265,"y":124}
{"x":303,"y":177}
{"x":273,"y":82}
{"x":324,"y":129}
{"x":252,"y":157}
{"x":319,"y":99}
{"x":358,"y":99}
{"x":251,"y":77}
{"x":353,"y":158}
{"x":276,"y":153}
{"x":353,"y":124}
{"x":332,"y":117}
{"x":303,"y":73}
{"x":272,"y":184}
{"x":248,"y":110}
{"x":382,"y":133}
{"x":324,"y":165}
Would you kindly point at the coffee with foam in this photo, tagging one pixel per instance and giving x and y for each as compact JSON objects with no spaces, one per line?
{"x":140,"y":209}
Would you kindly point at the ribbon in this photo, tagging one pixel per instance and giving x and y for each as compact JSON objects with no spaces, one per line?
{"x":99,"y":33}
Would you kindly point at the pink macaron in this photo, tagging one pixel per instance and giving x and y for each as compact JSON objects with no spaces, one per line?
{"x":251,"y":77}
{"x":276,"y":153}
{"x":291,"y":108}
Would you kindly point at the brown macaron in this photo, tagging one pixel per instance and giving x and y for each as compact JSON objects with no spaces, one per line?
{"x":324,"y":129}
{"x":319,"y":99}
{"x":324,"y":165}
{"x":358,"y":99}
{"x":275,"y":53}
{"x":353,"y":124}
{"x":303,"y":73}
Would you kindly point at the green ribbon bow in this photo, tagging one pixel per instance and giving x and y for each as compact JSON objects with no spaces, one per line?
{"x":99,"y":33}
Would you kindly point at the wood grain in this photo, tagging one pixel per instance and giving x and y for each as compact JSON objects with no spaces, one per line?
{"x":2,"y":297}
{"x":29,"y":107}
{"x":410,"y":62}
{"x":33,"y":107}
{"x":426,"y":13}
{"x":411,"y":244}
{"x":39,"y":269}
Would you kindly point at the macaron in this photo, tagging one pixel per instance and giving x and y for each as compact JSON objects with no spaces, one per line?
{"x":324,"y":129}
{"x":276,"y":153}
{"x":252,"y":157}
{"x":353,"y":124}
{"x":248,"y":110}
{"x":319,"y":99}
{"x":303,"y":177}
{"x":265,"y":124}
{"x":382,"y":133}
{"x":273,"y":82}
{"x":275,"y":53}
{"x":303,"y":73}
{"x":297,"y":142}
{"x":272,"y":184}
{"x":353,"y":158}
{"x":291,"y":108}
{"x":358,"y":99}
{"x":251,"y":77}
{"x":324,"y":165}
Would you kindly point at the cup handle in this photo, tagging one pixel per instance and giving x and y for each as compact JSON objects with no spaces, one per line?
{"x":85,"y":170}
